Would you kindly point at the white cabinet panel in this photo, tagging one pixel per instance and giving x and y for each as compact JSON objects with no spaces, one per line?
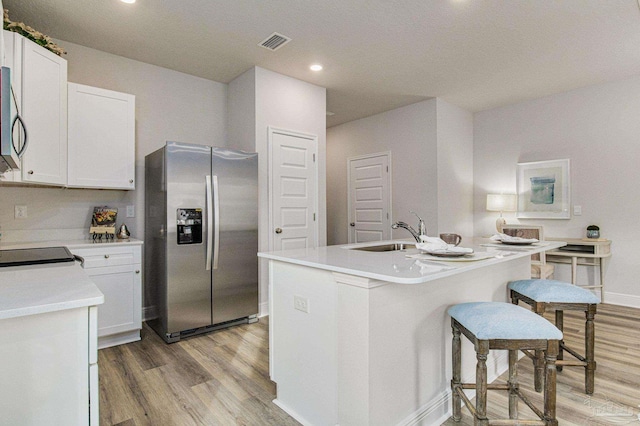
{"x":101,"y":138}
{"x":45,"y":369}
{"x":94,"y":395}
{"x":44,"y":109}
{"x":117,"y":272}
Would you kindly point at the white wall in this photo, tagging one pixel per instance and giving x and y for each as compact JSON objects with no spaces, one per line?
{"x":431,"y":144}
{"x":598,"y":129}
{"x":169,"y":106}
{"x":241,"y":126}
{"x":286,"y":103}
{"x":455,"y":169}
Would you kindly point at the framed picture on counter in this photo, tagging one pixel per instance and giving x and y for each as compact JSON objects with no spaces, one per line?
{"x":543,"y":190}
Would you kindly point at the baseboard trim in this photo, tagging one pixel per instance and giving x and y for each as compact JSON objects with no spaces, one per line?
{"x":438,"y":410}
{"x":263,"y":309}
{"x":620,"y":299}
{"x":118,"y":339}
{"x":292,"y":413}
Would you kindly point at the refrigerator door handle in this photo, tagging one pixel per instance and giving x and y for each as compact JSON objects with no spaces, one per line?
{"x":209,"y":197}
{"x":216,"y":221}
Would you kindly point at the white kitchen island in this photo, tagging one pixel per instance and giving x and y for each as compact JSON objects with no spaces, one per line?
{"x":363,"y":338}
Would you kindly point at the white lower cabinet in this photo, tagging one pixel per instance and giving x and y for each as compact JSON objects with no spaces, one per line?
{"x":117,"y":272}
{"x":47,"y":371}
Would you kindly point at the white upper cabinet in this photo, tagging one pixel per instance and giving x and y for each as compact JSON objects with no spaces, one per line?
{"x":44,"y":110}
{"x":101,"y":138}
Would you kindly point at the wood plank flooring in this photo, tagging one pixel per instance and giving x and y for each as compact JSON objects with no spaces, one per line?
{"x":222,"y":378}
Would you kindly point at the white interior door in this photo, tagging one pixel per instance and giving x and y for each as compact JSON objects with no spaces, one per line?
{"x":369,"y":198}
{"x":294,"y":190}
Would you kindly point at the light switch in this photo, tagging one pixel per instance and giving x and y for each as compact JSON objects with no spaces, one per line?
{"x":131,"y":212}
{"x":577,"y":210}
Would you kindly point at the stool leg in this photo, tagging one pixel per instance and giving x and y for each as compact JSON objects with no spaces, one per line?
{"x":513,"y":384}
{"x":457,"y":367}
{"x":550,"y":383}
{"x":589,"y":343}
{"x":482,"y":350}
{"x":560,"y":325}
{"x":538,"y":360}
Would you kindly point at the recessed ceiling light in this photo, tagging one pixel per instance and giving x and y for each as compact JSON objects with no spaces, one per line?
{"x":316,"y":67}
{"x":128,"y":1}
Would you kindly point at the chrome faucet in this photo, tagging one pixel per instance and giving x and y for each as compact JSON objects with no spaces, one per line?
{"x":422,"y":229}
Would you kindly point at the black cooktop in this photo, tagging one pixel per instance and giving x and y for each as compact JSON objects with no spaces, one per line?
{"x":35,"y":256}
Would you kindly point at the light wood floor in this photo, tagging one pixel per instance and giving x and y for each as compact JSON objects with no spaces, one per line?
{"x":222,"y":378}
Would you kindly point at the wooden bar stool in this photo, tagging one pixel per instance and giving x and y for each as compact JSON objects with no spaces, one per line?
{"x":542,"y":295}
{"x":495,"y":325}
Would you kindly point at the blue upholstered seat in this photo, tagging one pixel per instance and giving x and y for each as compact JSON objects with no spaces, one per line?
{"x":495,"y":320}
{"x":551,"y":291}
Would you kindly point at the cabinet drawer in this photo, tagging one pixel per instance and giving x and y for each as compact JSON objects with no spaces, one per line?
{"x":111,"y":256}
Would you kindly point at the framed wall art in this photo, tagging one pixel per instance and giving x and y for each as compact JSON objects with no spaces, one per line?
{"x":543,"y":190}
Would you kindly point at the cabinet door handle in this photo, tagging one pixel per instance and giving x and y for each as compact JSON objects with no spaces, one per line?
{"x":130,"y":180}
{"x":137,"y":271}
{"x":106,"y":256}
{"x":278,"y":230}
{"x":30,"y":172}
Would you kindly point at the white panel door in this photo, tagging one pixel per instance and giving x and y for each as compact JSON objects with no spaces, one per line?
{"x":294,"y":190}
{"x":369,"y":199}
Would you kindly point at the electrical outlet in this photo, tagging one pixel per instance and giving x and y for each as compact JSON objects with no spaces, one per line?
{"x":577,"y":210}
{"x":131,"y":211}
{"x":301,"y":303}
{"x":20,"y":212}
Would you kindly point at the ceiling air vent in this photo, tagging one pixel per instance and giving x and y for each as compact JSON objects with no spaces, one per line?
{"x":274,"y":42}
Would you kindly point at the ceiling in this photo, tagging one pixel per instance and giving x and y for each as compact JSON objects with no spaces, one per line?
{"x":377,"y":54}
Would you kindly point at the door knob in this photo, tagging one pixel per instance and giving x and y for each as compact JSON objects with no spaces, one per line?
{"x":352,"y":224}
{"x":278,"y":230}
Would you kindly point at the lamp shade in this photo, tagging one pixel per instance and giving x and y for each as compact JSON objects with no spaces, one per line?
{"x":501,"y":202}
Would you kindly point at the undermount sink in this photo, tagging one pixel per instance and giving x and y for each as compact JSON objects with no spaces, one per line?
{"x":387,"y":247}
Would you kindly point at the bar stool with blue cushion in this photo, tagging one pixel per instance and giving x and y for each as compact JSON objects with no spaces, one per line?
{"x":495,"y":325}
{"x":559,"y":296}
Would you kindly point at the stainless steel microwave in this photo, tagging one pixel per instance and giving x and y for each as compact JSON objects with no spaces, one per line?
{"x":10,"y":154}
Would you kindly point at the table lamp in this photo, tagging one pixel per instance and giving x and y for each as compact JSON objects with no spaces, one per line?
{"x":501,"y":203}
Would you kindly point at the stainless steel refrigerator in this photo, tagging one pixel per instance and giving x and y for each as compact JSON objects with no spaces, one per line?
{"x":201,"y":238}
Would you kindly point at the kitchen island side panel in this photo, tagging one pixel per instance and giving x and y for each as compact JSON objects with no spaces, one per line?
{"x":372,"y":352}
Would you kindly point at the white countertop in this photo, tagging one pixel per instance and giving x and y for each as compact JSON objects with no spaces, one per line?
{"x":36,"y":289}
{"x":71,"y":244}
{"x":396,"y":267}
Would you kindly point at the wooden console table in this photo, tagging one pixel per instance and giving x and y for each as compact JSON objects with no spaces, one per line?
{"x":582,"y":252}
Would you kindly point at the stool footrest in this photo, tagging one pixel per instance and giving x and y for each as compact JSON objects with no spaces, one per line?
{"x":490,"y":386}
{"x":571,"y":363}
{"x":508,"y":422}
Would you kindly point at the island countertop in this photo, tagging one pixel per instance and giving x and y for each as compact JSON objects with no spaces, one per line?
{"x":405,"y":266}
{"x":37,"y":289}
